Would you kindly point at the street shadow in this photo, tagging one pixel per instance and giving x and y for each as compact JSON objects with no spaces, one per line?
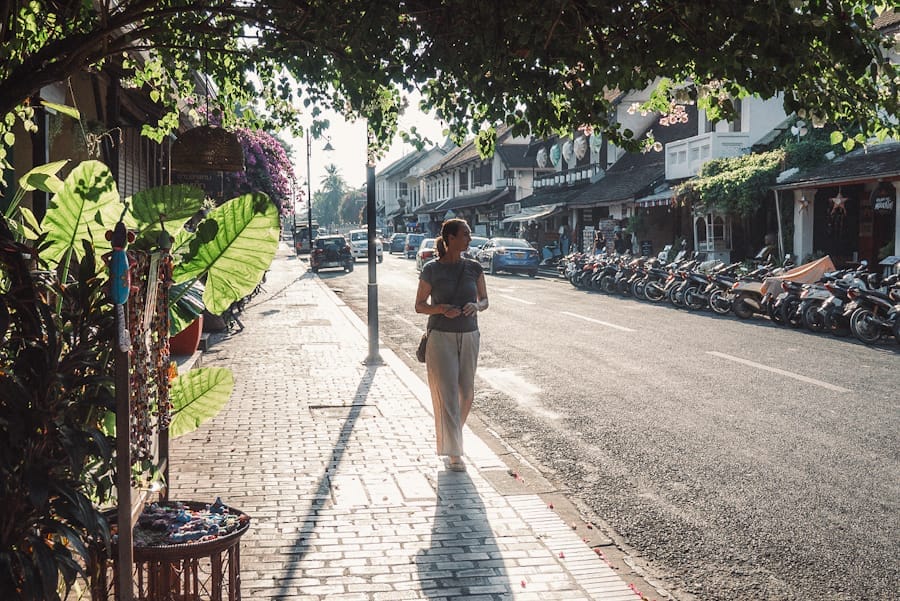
{"x":464,"y":559}
{"x":322,"y":494}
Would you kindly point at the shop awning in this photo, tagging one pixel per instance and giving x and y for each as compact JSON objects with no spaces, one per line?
{"x":659,"y":199}
{"x":533,"y":213}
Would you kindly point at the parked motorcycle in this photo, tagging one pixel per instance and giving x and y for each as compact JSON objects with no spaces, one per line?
{"x":749,"y":292}
{"x":874,"y":312}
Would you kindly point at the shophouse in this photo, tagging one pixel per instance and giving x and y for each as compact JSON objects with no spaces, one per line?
{"x":462,"y":184}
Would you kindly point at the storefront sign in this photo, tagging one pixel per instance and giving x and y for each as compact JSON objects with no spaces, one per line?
{"x":883,"y":198}
{"x":512,"y":208}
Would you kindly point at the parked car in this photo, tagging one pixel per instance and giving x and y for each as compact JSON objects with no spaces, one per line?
{"x":359,"y":245}
{"x":425,"y":253}
{"x":509,"y":254}
{"x":412,"y":244}
{"x":475,"y":244}
{"x":396,"y":243}
{"x":331,"y":252}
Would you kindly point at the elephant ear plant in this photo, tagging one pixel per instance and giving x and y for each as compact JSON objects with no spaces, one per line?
{"x":56,"y":388}
{"x":225,"y":256}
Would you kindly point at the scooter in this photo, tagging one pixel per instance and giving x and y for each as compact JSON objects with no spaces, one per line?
{"x":551,"y":254}
{"x":749,"y":297}
{"x":874,"y":312}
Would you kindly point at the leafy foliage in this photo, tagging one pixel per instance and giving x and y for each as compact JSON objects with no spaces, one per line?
{"x":738,"y":185}
{"x":541,"y":67}
{"x":231,"y":249}
{"x":198,"y":396}
{"x":267,"y":168}
{"x":734,"y":185}
{"x":55,"y":381}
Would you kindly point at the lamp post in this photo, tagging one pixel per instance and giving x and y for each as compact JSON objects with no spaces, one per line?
{"x":374,"y":357}
{"x":309,"y":197}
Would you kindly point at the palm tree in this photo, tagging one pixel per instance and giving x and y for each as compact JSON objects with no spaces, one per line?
{"x":327,"y":202}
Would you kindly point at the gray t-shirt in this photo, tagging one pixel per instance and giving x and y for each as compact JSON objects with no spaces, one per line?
{"x":443,"y":278}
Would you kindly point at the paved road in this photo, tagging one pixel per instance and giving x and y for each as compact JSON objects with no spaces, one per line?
{"x":736,"y":460}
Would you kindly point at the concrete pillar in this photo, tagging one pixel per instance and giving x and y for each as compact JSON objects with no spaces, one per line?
{"x":803,"y":224}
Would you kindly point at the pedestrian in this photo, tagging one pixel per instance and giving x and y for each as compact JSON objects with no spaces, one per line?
{"x":619,"y":243}
{"x":456,"y":289}
{"x":564,"y":239}
{"x":599,"y":243}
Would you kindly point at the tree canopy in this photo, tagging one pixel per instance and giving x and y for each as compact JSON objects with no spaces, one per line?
{"x":542,"y":67}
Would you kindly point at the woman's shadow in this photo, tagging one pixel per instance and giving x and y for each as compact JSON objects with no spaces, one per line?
{"x":464,"y":558}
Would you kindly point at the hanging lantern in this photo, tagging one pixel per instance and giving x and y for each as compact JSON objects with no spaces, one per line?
{"x":207,"y":148}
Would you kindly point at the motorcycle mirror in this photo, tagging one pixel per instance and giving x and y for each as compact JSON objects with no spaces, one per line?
{"x":863,"y":263}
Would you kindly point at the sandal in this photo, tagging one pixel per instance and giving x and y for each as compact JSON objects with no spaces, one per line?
{"x":456,"y":466}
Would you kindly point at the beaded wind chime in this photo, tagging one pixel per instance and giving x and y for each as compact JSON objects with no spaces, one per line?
{"x":148,"y":327}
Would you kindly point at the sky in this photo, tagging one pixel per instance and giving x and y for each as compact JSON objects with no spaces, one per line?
{"x":349,"y":142}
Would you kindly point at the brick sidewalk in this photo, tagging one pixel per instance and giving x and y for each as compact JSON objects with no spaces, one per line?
{"x":334,"y":461}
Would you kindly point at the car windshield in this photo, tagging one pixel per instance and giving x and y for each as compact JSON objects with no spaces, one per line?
{"x":357,"y":236}
{"x":427,"y":243}
{"x":477,"y":242}
{"x":330,"y":243}
{"x":511,"y":243}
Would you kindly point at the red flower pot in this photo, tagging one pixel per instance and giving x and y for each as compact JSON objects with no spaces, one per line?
{"x":187,"y":340}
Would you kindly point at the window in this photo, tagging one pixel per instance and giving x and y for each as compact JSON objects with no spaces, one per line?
{"x":402,"y":189}
{"x":464,"y":179}
{"x":735,"y":125}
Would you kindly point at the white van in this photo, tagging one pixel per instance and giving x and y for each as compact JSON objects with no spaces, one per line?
{"x":359,"y":245}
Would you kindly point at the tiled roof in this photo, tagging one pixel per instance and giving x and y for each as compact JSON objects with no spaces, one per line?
{"x":403,"y":164}
{"x":476,"y":200}
{"x":623,"y":184}
{"x":513,"y":156}
{"x":553,"y":195}
{"x":636,"y":173}
{"x":431,"y":207}
{"x":466,"y":153}
{"x":888,"y":19}
{"x":881,"y":161}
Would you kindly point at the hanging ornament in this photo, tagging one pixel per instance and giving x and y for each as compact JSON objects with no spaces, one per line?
{"x":542,"y":158}
{"x":555,"y":155}
{"x":804,"y":204}
{"x":596,"y":142}
{"x":568,"y":152}
{"x":838,"y":204}
{"x":581,"y":145}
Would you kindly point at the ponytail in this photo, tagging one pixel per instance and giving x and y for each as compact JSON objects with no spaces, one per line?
{"x":439,"y":247}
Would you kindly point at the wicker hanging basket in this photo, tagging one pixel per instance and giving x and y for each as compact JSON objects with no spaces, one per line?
{"x":207,"y":148}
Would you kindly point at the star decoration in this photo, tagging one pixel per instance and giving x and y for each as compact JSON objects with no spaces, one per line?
{"x":804,"y":204}
{"x":838,"y":203}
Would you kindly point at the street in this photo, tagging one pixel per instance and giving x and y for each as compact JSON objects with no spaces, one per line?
{"x":733,"y":459}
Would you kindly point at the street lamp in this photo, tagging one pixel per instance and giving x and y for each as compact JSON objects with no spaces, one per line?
{"x":328,"y":147}
{"x":374,"y":357}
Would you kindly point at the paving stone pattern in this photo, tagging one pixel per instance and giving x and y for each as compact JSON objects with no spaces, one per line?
{"x":334,"y":462}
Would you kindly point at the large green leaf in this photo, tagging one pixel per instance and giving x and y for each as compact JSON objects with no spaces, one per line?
{"x":185,"y":305}
{"x":233,"y":247}
{"x":198,"y":396}
{"x":87,"y":206}
{"x":43,"y":177}
{"x":176,"y":203}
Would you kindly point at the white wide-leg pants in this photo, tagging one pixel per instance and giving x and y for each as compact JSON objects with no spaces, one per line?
{"x":451,"y":359}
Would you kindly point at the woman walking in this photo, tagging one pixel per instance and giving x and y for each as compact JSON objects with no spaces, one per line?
{"x":457,"y":291}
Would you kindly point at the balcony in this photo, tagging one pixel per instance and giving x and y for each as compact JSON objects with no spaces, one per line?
{"x":568,"y":177}
{"x":685,"y":157}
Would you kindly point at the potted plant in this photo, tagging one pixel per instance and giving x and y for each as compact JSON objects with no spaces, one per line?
{"x":216,"y":263}
{"x":56,"y":383}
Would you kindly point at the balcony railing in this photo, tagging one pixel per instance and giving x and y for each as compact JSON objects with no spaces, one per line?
{"x":685,"y":157}
{"x":568,"y":177}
